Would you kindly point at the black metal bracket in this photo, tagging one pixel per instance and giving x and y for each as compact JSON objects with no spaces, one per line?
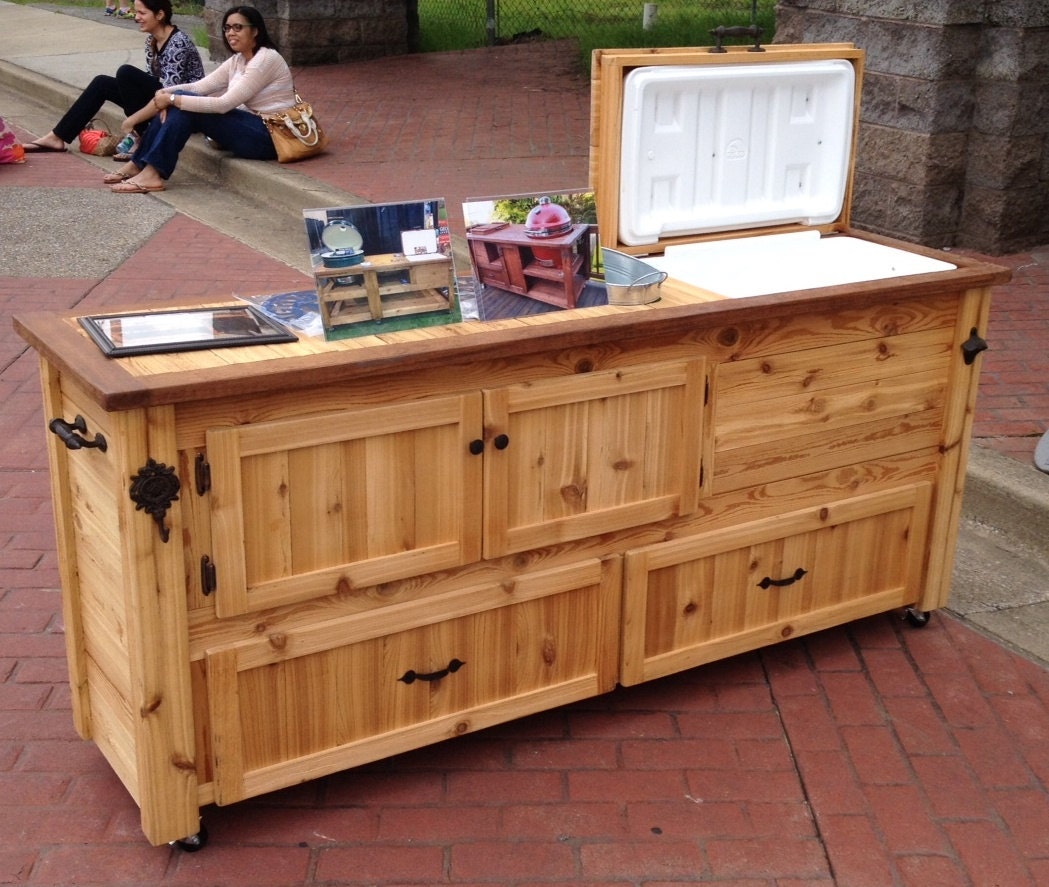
{"x":153,"y":489}
{"x":202,"y":474}
{"x":208,"y":581}
{"x":721,"y":32}
{"x":972,"y":346}
{"x":69,"y":433}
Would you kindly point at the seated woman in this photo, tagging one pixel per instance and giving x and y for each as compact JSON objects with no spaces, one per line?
{"x":225,"y":106}
{"x":171,"y":60}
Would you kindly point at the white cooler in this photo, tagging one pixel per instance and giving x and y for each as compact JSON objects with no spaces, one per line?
{"x":732,"y":171}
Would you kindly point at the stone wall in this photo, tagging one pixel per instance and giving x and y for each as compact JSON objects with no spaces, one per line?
{"x":322,"y":32}
{"x":954,"y":134}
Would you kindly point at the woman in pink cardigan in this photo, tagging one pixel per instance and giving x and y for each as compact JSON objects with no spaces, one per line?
{"x":225,"y":106}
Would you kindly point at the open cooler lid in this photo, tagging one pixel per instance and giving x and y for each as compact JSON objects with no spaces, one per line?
{"x":723,"y":147}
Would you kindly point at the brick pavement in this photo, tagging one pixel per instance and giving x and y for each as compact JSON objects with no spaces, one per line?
{"x":871,"y":754}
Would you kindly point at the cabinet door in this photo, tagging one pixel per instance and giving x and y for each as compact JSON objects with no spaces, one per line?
{"x":323,"y":504}
{"x":696,"y":599}
{"x":316,"y":699}
{"x":586,"y":454}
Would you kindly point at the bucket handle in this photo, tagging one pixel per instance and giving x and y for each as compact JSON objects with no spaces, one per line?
{"x":644,"y":280}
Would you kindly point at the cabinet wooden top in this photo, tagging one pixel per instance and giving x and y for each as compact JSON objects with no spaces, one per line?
{"x":134,"y":382}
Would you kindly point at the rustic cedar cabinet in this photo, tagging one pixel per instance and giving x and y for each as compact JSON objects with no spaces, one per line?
{"x":381,"y":543}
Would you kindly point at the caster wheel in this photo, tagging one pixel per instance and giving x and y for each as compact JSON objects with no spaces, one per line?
{"x":194,"y":842}
{"x":916,"y":618}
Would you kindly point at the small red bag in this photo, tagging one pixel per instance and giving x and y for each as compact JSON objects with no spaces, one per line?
{"x":98,"y":142}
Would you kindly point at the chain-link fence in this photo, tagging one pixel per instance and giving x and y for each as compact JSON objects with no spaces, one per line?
{"x":467,"y":24}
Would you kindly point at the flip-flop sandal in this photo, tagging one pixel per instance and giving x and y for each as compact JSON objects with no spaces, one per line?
{"x":130,"y":187}
{"x":115,"y":178}
{"x":37,"y":148}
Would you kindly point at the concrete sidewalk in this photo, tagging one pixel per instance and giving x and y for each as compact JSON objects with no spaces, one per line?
{"x":868,"y":754}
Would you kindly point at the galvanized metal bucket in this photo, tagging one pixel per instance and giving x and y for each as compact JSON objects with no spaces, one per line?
{"x":630,"y":281}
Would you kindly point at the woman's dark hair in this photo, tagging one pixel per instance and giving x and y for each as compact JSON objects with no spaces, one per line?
{"x":255,"y":19}
{"x":159,"y":6}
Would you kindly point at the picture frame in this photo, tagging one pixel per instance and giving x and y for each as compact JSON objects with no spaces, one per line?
{"x":182,"y":329}
{"x":382,"y":267}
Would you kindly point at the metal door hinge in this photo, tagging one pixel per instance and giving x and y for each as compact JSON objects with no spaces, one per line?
{"x":207,"y":575}
{"x":202,"y":472}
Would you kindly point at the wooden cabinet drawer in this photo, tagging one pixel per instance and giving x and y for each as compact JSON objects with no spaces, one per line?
{"x":300,"y":703}
{"x":784,"y":415}
{"x":696,"y":599}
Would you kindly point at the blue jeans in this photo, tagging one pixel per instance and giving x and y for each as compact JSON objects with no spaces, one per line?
{"x":238,"y":131}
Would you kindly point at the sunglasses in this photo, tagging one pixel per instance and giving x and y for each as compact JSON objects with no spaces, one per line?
{"x":236,"y":28}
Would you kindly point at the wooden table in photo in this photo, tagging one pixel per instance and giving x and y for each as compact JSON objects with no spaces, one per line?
{"x":505,"y":258}
{"x":384,"y":286}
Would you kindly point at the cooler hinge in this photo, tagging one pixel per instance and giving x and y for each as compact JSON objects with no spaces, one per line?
{"x":208,"y":582}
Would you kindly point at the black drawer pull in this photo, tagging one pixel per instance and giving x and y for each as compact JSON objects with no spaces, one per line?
{"x":68,"y":433}
{"x":769,"y":582}
{"x":411,"y":676}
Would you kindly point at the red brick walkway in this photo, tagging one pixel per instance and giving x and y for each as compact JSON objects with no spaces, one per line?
{"x":872,"y":754}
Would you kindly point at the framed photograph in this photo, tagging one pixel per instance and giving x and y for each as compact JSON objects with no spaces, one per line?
{"x":382,"y":267}
{"x":183,"y":329}
{"x":532,"y":254}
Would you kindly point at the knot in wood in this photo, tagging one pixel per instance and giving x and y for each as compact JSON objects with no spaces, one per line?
{"x":728,"y":336}
{"x":278,"y":640}
{"x":181,"y":762}
{"x":549,"y":651}
{"x":573,"y":493}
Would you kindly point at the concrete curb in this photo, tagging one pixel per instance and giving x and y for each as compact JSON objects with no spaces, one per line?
{"x":1010,"y":496}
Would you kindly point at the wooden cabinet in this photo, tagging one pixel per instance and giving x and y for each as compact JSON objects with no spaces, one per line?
{"x":291,"y":559}
{"x":368,"y":547}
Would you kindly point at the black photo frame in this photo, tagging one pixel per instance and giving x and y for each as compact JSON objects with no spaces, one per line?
{"x":182,"y":329}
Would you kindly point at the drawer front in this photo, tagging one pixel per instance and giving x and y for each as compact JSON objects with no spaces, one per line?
{"x":587,"y":454}
{"x":785,"y":415}
{"x":303,"y":703}
{"x":697,"y":599}
{"x":317,"y":505}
